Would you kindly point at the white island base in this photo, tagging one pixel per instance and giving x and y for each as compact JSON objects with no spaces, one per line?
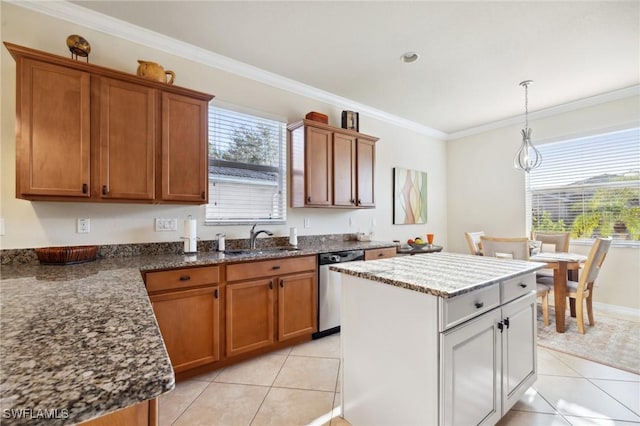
{"x":411,"y":358}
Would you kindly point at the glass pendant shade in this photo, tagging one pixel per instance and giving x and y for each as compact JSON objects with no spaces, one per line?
{"x":528,"y":157}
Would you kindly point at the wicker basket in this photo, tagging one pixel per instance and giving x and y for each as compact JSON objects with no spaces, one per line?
{"x":66,"y":255}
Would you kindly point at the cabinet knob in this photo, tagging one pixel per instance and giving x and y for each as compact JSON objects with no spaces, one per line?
{"x":105,"y":190}
{"x":352,"y":201}
{"x":85,"y":188}
{"x":380,"y":254}
{"x":203,"y":195}
{"x":308,"y":199}
{"x":270,"y":285}
{"x":506,"y":322}
{"x":523,"y":285}
{"x":359,"y":201}
{"x":275,"y":267}
{"x":215,"y":293}
{"x":185,"y":278}
{"x":479,"y":305}
{"x":281,"y":283}
{"x":500,"y":326}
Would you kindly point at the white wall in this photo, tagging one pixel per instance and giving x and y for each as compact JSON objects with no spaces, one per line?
{"x":36,"y":224}
{"x":485,"y":192}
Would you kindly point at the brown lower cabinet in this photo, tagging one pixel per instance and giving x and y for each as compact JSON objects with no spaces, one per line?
{"x":209,"y":315}
{"x":142,"y":414}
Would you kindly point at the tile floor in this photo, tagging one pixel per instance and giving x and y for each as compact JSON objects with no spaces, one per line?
{"x":300,"y":386}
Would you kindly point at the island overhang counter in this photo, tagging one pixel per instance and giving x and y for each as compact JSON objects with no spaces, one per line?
{"x":440,"y":339}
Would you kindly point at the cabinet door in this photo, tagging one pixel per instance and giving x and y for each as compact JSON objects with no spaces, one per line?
{"x":127,"y":140}
{"x":318,"y":167}
{"x":189,"y":321}
{"x":470,"y":372}
{"x":344,"y":170}
{"x":519,"y":349}
{"x":250,"y":316}
{"x":365,"y":165}
{"x":52,"y":145}
{"x":297,"y":305}
{"x":184,"y":171}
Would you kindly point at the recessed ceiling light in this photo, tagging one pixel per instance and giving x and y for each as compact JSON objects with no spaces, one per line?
{"x":409,"y":57}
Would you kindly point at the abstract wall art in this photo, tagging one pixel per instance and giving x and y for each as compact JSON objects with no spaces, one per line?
{"x":409,"y":196}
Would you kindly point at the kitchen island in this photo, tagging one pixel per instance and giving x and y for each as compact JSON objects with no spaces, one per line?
{"x":438,"y":339}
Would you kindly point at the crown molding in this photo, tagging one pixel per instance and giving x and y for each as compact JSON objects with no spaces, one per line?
{"x":78,"y":15}
{"x":548,"y":112}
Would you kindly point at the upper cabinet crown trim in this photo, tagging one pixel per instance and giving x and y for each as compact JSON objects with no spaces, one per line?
{"x":25,"y":52}
{"x":319,"y":125}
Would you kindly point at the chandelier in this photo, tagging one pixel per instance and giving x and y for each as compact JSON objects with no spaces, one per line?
{"x":528,"y":157}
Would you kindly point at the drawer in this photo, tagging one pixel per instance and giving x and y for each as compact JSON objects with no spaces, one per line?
{"x":518,"y":286}
{"x":181,"y":278}
{"x":458,"y":309}
{"x":381,"y":253}
{"x":269,"y":268}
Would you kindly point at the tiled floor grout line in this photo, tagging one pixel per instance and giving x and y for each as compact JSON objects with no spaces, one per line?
{"x":613,"y":397}
{"x":191,"y":403}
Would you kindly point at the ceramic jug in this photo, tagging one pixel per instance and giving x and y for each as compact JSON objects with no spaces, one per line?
{"x":154,"y":71}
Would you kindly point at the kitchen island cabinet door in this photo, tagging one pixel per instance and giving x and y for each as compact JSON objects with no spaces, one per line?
{"x":127,"y":135}
{"x":471,"y":372}
{"x":53,"y":125}
{"x":297,"y":305}
{"x":184,"y":171}
{"x":189,"y":321}
{"x":519,"y":349}
{"x":250,"y":315}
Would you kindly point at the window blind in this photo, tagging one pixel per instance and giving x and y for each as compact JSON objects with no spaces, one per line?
{"x":247,"y":168}
{"x":589,"y":186}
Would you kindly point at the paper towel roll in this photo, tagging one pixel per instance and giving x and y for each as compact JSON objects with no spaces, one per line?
{"x":190,"y":238}
{"x":293,"y":236}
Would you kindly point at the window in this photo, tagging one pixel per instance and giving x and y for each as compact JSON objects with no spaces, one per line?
{"x":589,"y":186}
{"x":247,"y":168}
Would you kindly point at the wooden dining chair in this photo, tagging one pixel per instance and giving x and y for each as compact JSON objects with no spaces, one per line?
{"x":542,"y":291}
{"x":552,"y":241}
{"x":581,"y":292}
{"x":505,"y":248}
{"x":473,"y":240}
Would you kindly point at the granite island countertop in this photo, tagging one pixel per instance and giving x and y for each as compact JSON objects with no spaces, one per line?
{"x":440,"y":274}
{"x":83,"y":340}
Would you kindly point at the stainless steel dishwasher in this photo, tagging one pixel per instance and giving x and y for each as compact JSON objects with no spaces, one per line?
{"x":330,"y":290}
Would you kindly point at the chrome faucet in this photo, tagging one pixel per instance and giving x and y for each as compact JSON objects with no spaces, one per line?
{"x":253,"y":235}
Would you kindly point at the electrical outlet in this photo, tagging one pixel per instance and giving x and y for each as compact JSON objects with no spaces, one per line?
{"x":307,"y":222}
{"x":83,"y":225}
{"x":166,"y":224}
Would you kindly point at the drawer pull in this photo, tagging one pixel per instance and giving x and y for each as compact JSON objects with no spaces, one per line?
{"x":85,"y":188}
{"x":270,"y":285}
{"x":281,"y":283}
{"x":215,"y":293}
{"x":275,"y":267}
{"x":506,"y":322}
{"x":185,"y":278}
{"x":308,"y":199}
{"x":105,"y":190}
{"x":479,"y":305}
{"x":523,"y":285}
{"x":380,"y":254}
{"x":500,"y":326}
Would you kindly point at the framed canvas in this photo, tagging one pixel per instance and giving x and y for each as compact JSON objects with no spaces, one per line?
{"x":409,"y":196}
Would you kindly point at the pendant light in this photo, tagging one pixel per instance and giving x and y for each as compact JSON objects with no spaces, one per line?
{"x":528,"y":157}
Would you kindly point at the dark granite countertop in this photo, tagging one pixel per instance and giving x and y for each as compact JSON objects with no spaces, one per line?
{"x":82,"y":339}
{"x":440,"y":274}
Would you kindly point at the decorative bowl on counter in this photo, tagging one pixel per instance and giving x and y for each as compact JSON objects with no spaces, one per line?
{"x":418,"y":246}
{"x":66,"y":255}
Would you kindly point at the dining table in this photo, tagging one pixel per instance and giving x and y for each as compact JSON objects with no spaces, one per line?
{"x":564,"y":265}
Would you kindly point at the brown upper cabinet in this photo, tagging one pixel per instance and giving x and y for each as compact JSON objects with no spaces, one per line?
{"x":330,"y":166}
{"x":89,"y":133}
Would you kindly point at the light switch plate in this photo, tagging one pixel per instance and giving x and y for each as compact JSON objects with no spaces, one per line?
{"x":83,"y":225}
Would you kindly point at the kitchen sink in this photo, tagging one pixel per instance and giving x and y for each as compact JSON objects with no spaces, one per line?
{"x":261,"y":251}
